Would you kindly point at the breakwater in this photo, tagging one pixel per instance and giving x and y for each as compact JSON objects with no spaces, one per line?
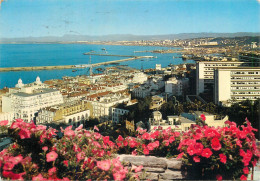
{"x":7,"y":69}
{"x":110,"y":55}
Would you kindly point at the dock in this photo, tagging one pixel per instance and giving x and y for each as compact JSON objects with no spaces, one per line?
{"x":98,"y":54}
{"x":8,"y":69}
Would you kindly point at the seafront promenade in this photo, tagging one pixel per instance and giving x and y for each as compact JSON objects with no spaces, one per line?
{"x":7,"y":69}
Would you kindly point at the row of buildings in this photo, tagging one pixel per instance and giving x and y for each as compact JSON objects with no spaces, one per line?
{"x":230,"y":81}
{"x":73,"y":100}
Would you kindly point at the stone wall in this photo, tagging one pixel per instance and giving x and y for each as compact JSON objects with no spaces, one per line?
{"x":156,"y":168}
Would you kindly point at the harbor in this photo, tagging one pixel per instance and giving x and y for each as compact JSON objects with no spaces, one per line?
{"x":32,"y":68}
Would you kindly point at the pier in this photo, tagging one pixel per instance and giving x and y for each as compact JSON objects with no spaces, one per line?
{"x":98,"y":54}
{"x":7,"y":69}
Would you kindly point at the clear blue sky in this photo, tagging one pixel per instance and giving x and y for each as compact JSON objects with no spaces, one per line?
{"x":23,"y":18}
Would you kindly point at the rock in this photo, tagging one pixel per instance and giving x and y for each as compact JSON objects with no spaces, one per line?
{"x":152,"y":176}
{"x":174,"y":164}
{"x":146,"y":161}
{"x":171,"y":175}
{"x":156,"y":170}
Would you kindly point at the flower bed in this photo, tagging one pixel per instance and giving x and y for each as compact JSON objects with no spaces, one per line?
{"x":207,"y":153}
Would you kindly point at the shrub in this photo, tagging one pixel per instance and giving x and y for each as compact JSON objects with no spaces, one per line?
{"x":37,"y":154}
{"x":219,"y":153}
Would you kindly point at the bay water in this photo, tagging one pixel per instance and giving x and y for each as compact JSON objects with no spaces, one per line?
{"x":26,"y":55}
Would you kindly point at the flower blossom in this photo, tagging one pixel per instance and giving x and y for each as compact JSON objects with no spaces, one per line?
{"x":104,"y":165}
{"x":4,"y":123}
{"x":206,"y":153}
{"x":51,"y":156}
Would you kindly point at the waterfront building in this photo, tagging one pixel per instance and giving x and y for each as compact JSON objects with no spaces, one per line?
{"x":176,"y":86}
{"x":236,"y":84}
{"x":71,"y":113}
{"x":27,"y":101}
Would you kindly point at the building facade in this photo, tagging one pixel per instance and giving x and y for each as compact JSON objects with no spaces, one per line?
{"x":26,"y":104}
{"x":236,"y":84}
{"x":71,"y":113}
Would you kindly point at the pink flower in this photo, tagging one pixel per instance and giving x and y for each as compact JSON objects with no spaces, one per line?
{"x":51,"y":156}
{"x":134,"y":152}
{"x":150,"y":146}
{"x":171,"y":139}
{"x":138,"y":169}
{"x":198,"y":148}
{"x":215,"y":144}
{"x":118,"y":176}
{"x":246,"y":170}
{"x":13,"y":176}
{"x":180,"y":155}
{"x":3,"y":123}
{"x":104,"y":165}
{"x":45,"y":148}
{"x":206,"y":153}
{"x":80,"y":156}
{"x":69,"y":133}
{"x":66,"y":162}
{"x":146,"y":151}
{"x":96,"y":128}
{"x":120,"y":138}
{"x":52,"y":171}
{"x":196,"y":159}
{"x":38,"y":177}
{"x":24,"y":133}
{"x":191,"y":150}
{"x":223,"y":158}
{"x":243,"y":177}
{"x":16,"y":160}
{"x":146,"y":136}
{"x":219,"y":177}
{"x":8,"y":166}
{"x":202,"y":116}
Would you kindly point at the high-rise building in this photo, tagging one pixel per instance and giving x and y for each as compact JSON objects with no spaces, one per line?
{"x":205,"y":74}
{"x":236,"y":84}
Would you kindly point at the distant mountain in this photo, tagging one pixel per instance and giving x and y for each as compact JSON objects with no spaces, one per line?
{"x":121,"y":37}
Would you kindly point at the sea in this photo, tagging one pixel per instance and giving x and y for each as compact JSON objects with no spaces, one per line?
{"x":25,"y":55}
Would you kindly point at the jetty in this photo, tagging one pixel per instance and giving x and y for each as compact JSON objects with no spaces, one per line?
{"x":8,"y":69}
{"x":160,"y":51}
{"x":98,"y":54}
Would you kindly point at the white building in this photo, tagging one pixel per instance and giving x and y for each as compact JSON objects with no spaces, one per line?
{"x":26,"y":104}
{"x":205,"y":73}
{"x":178,"y":123}
{"x":10,"y":116}
{"x":236,"y":84}
{"x":141,"y":91}
{"x":101,"y":104}
{"x":176,"y":86}
{"x":139,"y":77}
{"x":211,"y":119}
{"x":117,"y":113}
{"x":71,"y":113}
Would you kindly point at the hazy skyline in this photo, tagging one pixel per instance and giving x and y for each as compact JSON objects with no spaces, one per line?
{"x":36,"y":18}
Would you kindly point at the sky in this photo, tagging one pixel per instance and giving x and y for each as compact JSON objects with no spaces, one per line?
{"x":37,"y":18}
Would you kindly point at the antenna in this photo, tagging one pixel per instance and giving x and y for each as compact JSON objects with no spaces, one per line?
{"x":90,"y":66}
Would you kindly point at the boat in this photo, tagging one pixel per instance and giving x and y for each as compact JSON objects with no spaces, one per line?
{"x":74,"y":70}
{"x":100,"y":69}
{"x":103,"y":49}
